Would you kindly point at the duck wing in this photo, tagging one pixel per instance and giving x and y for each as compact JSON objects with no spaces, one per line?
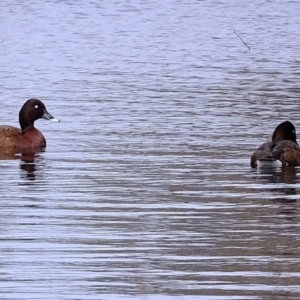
{"x":8,"y":135}
{"x":9,"y":131}
{"x":263,"y":152}
{"x":287,"y":152}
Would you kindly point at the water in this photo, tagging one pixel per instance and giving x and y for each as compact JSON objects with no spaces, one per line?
{"x":145,"y":189}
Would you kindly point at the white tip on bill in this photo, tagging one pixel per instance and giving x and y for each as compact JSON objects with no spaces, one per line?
{"x":54,"y":120}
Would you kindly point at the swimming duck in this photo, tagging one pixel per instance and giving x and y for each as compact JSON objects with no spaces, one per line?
{"x":27,"y":136}
{"x":283,"y":150}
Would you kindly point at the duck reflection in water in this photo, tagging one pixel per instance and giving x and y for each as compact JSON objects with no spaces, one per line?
{"x":284,"y":180}
{"x":28,"y":165}
{"x":28,"y":161}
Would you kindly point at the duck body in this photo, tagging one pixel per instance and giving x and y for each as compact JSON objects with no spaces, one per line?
{"x":276,"y":154}
{"x":26,"y":137}
{"x":283,"y":150}
{"x":13,"y":137}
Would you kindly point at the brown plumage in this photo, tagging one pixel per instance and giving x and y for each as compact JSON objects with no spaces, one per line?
{"x":283,"y":147}
{"x":27,"y":137}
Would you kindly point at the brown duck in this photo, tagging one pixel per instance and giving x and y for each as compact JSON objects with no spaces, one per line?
{"x":26,"y":137}
{"x":283,"y":150}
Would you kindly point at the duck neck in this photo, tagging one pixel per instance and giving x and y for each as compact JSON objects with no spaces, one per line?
{"x":25,"y":125}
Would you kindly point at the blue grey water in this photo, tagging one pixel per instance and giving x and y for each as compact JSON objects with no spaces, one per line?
{"x":145,"y":189}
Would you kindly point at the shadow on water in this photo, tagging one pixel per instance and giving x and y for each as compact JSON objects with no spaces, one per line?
{"x":28,"y":161}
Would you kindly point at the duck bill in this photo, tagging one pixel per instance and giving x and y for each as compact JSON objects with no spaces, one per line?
{"x":49,"y":117}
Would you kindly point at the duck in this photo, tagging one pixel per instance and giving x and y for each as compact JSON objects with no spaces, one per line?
{"x":282,"y":151}
{"x":27,"y":136}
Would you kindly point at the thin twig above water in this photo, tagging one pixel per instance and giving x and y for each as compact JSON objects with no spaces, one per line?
{"x":241,"y":39}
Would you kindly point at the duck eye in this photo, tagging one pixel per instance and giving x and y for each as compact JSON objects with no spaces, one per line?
{"x":36,"y":106}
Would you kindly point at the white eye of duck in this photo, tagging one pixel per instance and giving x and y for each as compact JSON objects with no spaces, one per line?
{"x":36,"y":106}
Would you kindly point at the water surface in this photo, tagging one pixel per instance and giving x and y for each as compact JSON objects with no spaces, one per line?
{"x":145,"y":190}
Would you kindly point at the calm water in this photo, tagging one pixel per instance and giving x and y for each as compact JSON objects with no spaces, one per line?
{"x":145,"y":189}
